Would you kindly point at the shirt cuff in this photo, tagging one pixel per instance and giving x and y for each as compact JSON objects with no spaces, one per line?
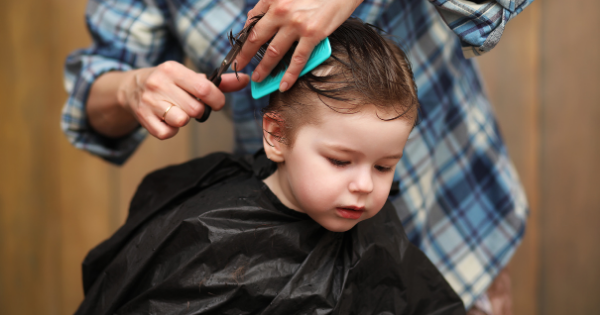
{"x":478,"y":25}
{"x":81,"y":71}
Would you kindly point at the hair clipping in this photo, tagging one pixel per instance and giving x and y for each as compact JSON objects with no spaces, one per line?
{"x":271,"y":83}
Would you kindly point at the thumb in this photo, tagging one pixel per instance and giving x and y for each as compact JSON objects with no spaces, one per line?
{"x":230,"y":83}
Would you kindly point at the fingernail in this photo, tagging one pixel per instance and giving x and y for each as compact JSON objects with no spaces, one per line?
{"x":255,"y":76}
{"x":283,"y":87}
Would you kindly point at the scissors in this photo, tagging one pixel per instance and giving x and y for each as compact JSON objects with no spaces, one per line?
{"x":236,"y":42}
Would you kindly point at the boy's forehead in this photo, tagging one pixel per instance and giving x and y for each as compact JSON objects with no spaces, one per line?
{"x":362,"y":132}
{"x":327,"y":107}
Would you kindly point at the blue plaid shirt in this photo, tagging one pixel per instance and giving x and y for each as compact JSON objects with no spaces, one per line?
{"x":462,"y":202}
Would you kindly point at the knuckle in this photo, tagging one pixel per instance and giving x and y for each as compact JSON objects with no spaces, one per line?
{"x":298,"y":19}
{"x":272,"y":51}
{"x":253,"y":36}
{"x":146,"y":98}
{"x":181,"y":120}
{"x":254,"y":12}
{"x":163,"y":134}
{"x":260,"y":69}
{"x":168,"y":67}
{"x":313,"y":30}
{"x":292,"y":72}
{"x":299,"y":58}
{"x":282,"y":9}
{"x":153,"y":82}
{"x":203,"y":89}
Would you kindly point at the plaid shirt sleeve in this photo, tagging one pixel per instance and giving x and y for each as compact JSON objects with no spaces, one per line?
{"x":126,"y":35}
{"x":478,"y":24}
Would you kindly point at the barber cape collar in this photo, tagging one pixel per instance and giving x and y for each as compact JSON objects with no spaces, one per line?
{"x":271,"y":83}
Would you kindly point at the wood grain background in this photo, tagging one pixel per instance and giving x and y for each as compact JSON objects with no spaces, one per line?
{"x":57,"y":202}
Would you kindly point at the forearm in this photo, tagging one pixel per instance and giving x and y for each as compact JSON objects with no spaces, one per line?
{"x":106,"y":110}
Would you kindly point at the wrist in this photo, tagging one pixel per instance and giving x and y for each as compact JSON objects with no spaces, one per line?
{"x":108,"y":105}
{"x":126,"y":87}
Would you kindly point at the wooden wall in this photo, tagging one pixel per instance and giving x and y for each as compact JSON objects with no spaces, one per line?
{"x":57,"y":202}
{"x":512,"y":77}
{"x":544,"y":81}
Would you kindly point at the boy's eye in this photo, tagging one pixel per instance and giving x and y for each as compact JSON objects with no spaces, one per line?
{"x":383,"y":169}
{"x":338,"y":162}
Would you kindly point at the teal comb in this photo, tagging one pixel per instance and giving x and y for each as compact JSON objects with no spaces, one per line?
{"x":271,"y":83}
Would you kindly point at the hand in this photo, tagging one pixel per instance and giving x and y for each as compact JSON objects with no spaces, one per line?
{"x":305,"y":21}
{"x":175,"y":93}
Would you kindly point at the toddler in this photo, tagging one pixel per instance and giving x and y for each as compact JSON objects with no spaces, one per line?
{"x":303,"y":227}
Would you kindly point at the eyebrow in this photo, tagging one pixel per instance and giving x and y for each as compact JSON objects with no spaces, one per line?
{"x":348,"y":150}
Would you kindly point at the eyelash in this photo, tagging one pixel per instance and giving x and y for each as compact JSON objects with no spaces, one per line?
{"x":383,"y":169}
{"x":339,"y":163}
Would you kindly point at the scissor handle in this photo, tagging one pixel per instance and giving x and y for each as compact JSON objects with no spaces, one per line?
{"x":216,"y":80}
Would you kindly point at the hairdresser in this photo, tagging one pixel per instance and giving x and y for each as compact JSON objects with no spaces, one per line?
{"x":461,"y":201}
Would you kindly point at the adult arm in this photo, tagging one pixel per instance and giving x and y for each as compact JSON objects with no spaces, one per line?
{"x":478,"y":23}
{"x":115,"y":86}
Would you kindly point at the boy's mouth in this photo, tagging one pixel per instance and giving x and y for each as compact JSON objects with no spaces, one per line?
{"x":350,"y":212}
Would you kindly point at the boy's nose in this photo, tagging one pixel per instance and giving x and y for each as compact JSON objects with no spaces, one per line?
{"x":362,"y":183}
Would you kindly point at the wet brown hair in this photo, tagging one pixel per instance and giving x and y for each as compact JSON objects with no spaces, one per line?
{"x":365,"y":68}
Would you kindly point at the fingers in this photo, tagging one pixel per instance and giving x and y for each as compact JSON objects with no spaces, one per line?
{"x":289,"y":22}
{"x":175,"y":117}
{"x":299,"y":59}
{"x":164,"y":98}
{"x":190,"y":105}
{"x":195,"y":107}
{"x":261,"y":7}
{"x":305,"y":21}
{"x":200,"y":87}
{"x":260,"y":34}
{"x":155,"y":126}
{"x":276,"y":50}
{"x":230,"y":83}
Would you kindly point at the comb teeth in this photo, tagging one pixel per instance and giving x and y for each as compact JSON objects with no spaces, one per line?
{"x":270,"y":84}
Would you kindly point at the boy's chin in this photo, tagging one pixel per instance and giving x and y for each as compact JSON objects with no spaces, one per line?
{"x":338,"y":226}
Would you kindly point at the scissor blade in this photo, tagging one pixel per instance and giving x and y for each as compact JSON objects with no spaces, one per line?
{"x":235,"y":50}
{"x":215,"y":77}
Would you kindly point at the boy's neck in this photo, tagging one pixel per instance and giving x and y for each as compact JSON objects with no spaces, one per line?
{"x":274,"y":182}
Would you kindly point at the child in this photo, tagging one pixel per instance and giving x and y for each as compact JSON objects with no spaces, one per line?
{"x":303,"y":227}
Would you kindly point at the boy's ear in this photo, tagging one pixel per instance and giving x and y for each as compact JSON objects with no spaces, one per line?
{"x":272,"y":134}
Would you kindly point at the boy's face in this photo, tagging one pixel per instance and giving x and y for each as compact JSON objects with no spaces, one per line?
{"x":339,"y":171}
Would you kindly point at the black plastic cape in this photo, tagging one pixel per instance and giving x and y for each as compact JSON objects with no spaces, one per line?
{"x":209,"y":237}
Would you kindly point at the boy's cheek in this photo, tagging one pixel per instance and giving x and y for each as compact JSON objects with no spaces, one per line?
{"x":380,"y":197}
